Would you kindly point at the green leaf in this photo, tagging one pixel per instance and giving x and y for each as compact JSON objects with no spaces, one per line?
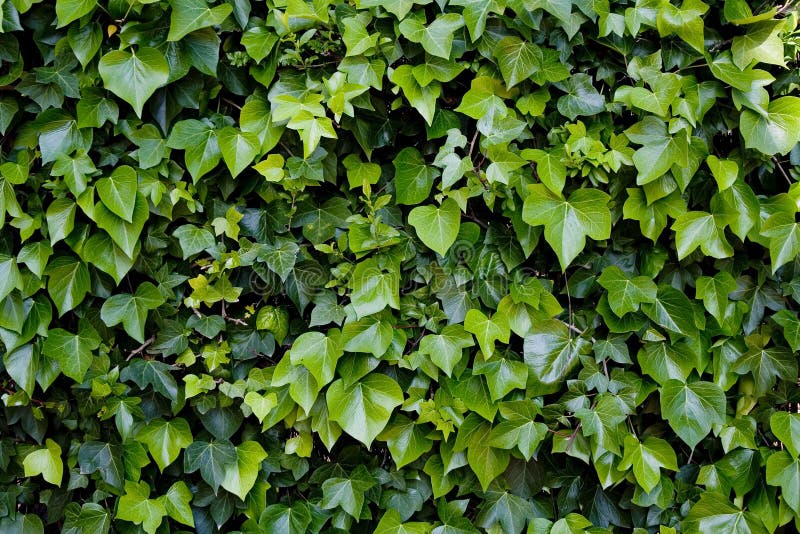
{"x":423,"y":99}
{"x":791,"y":327}
{"x":777,"y":131}
{"x":75,"y":170}
{"x":356,"y":38}
{"x":89,"y":518}
{"x":124,"y":234}
{"x":413,"y":177}
{"x":193,"y":239}
{"x":311,"y":129}
{"x":73,"y":352}
{"x":486,"y":462}
{"x":784,"y":238}
{"x":347,"y":493}
{"x":714,"y":512}
{"x":46,"y":462}
{"x":406,"y":440}
{"x":176,"y":502}
{"x":437,"y":37}
{"x":445,"y":349}
{"x":518,"y":60}
{"x":670,"y":311}
{"x":10,"y":278}
{"x":319,"y":353}
{"x":101,"y":251}
{"x":190,"y":15}
{"x":700,"y":229}
{"x":293,"y":519}
{"x":581,"y":98}
{"x":568,"y":222}
{"x":199,"y":139}
{"x":134,"y":75}
{"x":692,"y":409}
{"x":487,"y":330}
{"x":766,"y":366}
{"x":549,"y":166}
{"x":391,"y":523}
{"x":280,"y":256}
{"x":165,"y":439}
{"x":625,"y":294}
{"x":475,"y":14}
{"x":152,"y":373}
{"x":519,"y":428}
{"x":131,"y":310}
{"x":714,"y":292}
{"x":238,"y":148}
{"x":784,"y":471}
{"x":363,"y":408}
{"x":507,"y":511}
{"x":118,"y":191}
{"x":106,"y":458}
{"x":136,"y":506}
{"x":368,"y":335}
{"x":725,"y":171}
{"x":213,"y":460}
{"x":67,"y":283}
{"x":240,"y":476}
{"x":761,"y":44}
{"x":647,"y":458}
{"x":71,"y":10}
{"x":437,"y":227}
{"x":786,"y":427}
{"x":551,"y":352}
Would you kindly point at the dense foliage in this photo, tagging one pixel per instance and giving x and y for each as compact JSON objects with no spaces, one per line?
{"x":411,"y":266}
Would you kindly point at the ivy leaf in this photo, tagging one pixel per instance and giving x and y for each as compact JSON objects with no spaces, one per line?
{"x":240,"y":476}
{"x":518,"y":60}
{"x":777,"y":131}
{"x":791,"y":327}
{"x":761,"y":44}
{"x":423,"y":99}
{"x":319,"y":353}
{"x":700,"y":229}
{"x":293,"y":519}
{"x":176,"y":503}
{"x":725,"y":171}
{"x":199,"y":140}
{"x":238,"y":148}
{"x":437,"y":37}
{"x":118,"y":191}
{"x":647,"y":458}
{"x":767,"y":365}
{"x":67,"y":282}
{"x":101,"y":251}
{"x":106,"y":458}
{"x":136,"y":506}
{"x":46,"y":462}
{"x":71,"y":10}
{"x":445,"y":349}
{"x":519,"y":429}
{"x":487,"y":330}
{"x":10,"y":277}
{"x":508,"y":511}
{"x":413,"y":177}
{"x":581,"y":98}
{"x":391,"y":523}
{"x":551,"y":352}
{"x":784,"y":239}
{"x":213,"y":459}
{"x":363,"y":408}
{"x":124,"y":234}
{"x":165,"y":439}
{"x":502,"y":376}
{"x":280,"y":256}
{"x":152,"y":373}
{"x":550,"y":167}
{"x":134,"y":75}
{"x":784,"y":471}
{"x":786,"y":427}
{"x":193,"y":239}
{"x":568,"y":222}
{"x":369,"y":335}
{"x":670,"y":311}
{"x":91,"y":517}
{"x":692,"y":409}
{"x":714,"y":511}
{"x":190,"y":15}
{"x":131,"y":310}
{"x":437,"y":227}
{"x":714,"y":292}
{"x":625,"y":294}
{"x":406,"y":440}
{"x":486,"y":462}
{"x":311,"y":129}
{"x":347,"y":493}
{"x":475,"y":14}
{"x":73,"y":352}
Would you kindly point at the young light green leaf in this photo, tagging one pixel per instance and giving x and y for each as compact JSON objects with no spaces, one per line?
{"x":46,"y":462}
{"x":692,"y":409}
{"x":190,"y":15}
{"x":118,"y":191}
{"x":165,"y":439}
{"x":136,"y":506}
{"x":625,"y":294}
{"x":647,"y":458}
{"x":240,"y":477}
{"x":487,"y":330}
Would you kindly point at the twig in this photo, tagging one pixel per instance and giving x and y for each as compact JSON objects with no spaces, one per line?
{"x":780,"y":168}
{"x":141,"y":348}
{"x":472,"y":144}
{"x":477,"y":221}
{"x":232,"y":103}
{"x":577,"y":330}
{"x":233,"y":320}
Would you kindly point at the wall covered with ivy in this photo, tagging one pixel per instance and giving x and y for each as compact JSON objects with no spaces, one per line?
{"x":399,"y":266}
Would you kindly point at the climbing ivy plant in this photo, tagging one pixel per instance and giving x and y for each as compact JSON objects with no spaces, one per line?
{"x":422,"y":266}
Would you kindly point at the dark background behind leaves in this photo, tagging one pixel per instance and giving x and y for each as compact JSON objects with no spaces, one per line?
{"x":399,"y":266}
